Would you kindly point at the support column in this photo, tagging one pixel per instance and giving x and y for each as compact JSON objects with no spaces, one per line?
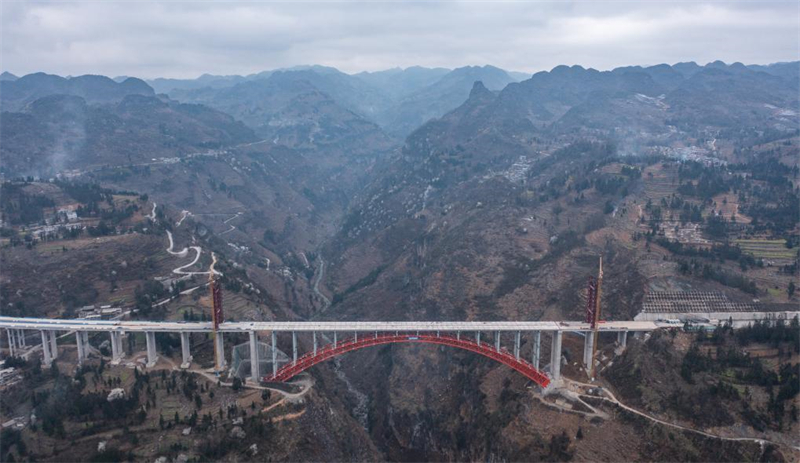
{"x":274,"y":354}
{"x":48,"y":358}
{"x":588,"y":350}
{"x":81,"y":347}
{"x":219,"y":350}
{"x":10,"y":337}
{"x":537,"y":348}
{"x":116,"y":347}
{"x":86,"y":345}
{"x":152,"y":356}
{"x":53,"y":345}
{"x":478,"y":338}
{"x":186,"y":352}
{"x":314,"y":335}
{"x":497,"y":341}
{"x":22,"y":338}
{"x":622,"y":338}
{"x":254,"y":365}
{"x":458,"y":335}
{"x":517,"y":340}
{"x":334,"y":339}
{"x":555,"y":355}
{"x":294,"y":347}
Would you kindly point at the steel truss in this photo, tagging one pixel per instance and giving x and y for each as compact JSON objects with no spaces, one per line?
{"x":329,"y":351}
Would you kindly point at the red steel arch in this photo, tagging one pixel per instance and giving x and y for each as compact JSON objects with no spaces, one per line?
{"x":329,"y":351}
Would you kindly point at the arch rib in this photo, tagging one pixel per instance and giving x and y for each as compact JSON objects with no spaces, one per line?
{"x":329,"y":351}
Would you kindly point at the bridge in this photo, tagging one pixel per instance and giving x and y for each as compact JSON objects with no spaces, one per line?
{"x":500,"y":341}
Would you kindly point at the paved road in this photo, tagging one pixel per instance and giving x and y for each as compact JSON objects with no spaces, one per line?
{"x":612,"y":399}
{"x":182,"y":253}
{"x":468,"y":328}
{"x":326,"y":301}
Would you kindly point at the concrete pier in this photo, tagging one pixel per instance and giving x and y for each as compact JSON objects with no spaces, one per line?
{"x":219,"y":350}
{"x":53,"y":345}
{"x":117,"y":353}
{"x":186,"y":353}
{"x":294,"y":346}
{"x":537,"y":348}
{"x":81,"y":347}
{"x":555,"y":355}
{"x":47,"y":357}
{"x":10,"y":336}
{"x":314,"y":335}
{"x":588,"y":350}
{"x":152,"y":355}
{"x":254,"y":360}
{"x":275,"y":353}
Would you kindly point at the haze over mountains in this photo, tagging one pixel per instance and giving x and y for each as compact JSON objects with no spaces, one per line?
{"x":320,"y":108}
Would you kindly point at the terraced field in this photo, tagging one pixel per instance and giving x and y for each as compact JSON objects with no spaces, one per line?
{"x":774,"y":250}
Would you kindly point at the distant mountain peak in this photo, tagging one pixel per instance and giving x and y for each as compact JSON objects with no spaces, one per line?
{"x":479,"y":90}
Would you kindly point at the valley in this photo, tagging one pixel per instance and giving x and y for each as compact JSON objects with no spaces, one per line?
{"x":472,"y":194}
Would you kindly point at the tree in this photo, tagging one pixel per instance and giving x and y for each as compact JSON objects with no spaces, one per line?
{"x":791,"y":289}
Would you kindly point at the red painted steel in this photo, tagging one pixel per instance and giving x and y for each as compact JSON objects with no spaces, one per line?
{"x":217,"y":315}
{"x":591,"y":302}
{"x":329,"y":351}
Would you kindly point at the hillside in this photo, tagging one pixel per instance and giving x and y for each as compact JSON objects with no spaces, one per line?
{"x":61,"y":132}
{"x":17,"y":93}
{"x":499,"y":208}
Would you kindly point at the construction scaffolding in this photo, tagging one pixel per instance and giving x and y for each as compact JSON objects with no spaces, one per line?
{"x":693,"y":302}
{"x":240,"y":359}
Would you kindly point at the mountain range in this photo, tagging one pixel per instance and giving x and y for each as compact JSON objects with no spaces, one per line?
{"x":421,"y":194}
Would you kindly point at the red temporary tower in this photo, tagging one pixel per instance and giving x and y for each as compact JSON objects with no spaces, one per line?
{"x":217,"y":316}
{"x":593,"y":312}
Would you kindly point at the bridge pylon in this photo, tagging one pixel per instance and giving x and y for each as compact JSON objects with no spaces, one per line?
{"x":217,"y":317}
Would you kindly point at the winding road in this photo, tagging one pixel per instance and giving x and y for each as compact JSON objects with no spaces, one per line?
{"x":611,"y":398}
{"x":326,"y":301}
{"x":183,"y":253}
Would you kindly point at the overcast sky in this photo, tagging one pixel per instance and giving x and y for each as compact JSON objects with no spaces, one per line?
{"x":188,"y":38}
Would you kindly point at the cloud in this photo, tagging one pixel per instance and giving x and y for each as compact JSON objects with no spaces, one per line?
{"x":185,"y":39}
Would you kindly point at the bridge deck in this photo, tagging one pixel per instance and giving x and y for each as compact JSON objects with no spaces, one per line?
{"x":300,"y":326}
